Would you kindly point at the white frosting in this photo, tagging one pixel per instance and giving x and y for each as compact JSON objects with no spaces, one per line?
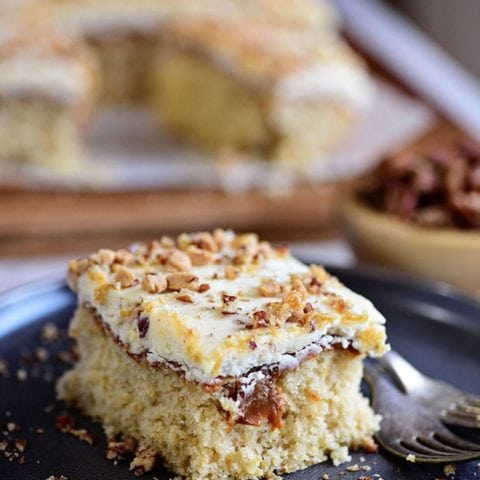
{"x":342,"y":82}
{"x":205,"y":342}
{"x":58,"y":79}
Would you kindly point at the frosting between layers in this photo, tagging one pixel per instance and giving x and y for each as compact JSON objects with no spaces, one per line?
{"x":208,"y":337}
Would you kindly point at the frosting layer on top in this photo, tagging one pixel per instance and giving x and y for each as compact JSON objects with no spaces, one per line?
{"x":219,"y":305}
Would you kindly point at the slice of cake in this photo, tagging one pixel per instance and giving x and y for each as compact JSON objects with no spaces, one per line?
{"x":124,"y":35}
{"x":223,"y":356}
{"x":285,"y":94}
{"x":47,"y":85}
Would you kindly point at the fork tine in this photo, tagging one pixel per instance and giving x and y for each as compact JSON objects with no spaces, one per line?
{"x":452,"y":440}
{"x":431,"y":442}
{"x":399,"y":449}
{"x":453,"y":417}
{"x":416,"y":447}
{"x":472,"y":400}
{"x":468,"y":408}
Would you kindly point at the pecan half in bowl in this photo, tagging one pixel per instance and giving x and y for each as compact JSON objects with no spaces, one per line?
{"x":419,"y":211}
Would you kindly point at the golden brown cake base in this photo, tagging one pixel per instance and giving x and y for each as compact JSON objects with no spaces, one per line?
{"x":324,"y":414}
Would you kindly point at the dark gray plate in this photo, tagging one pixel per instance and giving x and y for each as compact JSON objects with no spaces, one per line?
{"x":434,"y":327}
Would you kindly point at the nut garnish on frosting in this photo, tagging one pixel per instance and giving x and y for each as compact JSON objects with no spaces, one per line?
{"x":202,"y":300}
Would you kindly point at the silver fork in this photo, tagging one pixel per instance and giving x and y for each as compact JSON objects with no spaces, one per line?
{"x":452,"y":405}
{"x":409,"y":429}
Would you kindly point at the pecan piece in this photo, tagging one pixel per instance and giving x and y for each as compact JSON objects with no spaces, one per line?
{"x":179,"y":280}
{"x":260,"y":319}
{"x":179,"y":261}
{"x":269,"y":288}
{"x":198,"y":256}
{"x":154,"y":283}
{"x":231,"y":272}
{"x":124,"y":277}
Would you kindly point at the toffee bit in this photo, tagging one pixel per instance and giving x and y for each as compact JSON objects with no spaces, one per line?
{"x":203,"y":287}
{"x":143,"y":324}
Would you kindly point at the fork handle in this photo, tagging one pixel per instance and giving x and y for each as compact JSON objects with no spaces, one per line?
{"x":405,"y":375}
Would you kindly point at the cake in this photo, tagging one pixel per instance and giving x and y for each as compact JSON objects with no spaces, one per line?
{"x":266,"y":79}
{"x":124,"y":35}
{"x":288,"y":95}
{"x":222,"y":355}
{"x":47,"y":88}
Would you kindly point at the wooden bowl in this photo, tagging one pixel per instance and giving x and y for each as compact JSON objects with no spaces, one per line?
{"x":447,"y":255}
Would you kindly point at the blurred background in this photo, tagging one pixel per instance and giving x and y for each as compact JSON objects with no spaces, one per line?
{"x":451,"y":24}
{"x":388,"y":167}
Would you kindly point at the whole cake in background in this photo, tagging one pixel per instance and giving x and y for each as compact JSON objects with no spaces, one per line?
{"x":267,"y":78}
{"x":222,"y":356}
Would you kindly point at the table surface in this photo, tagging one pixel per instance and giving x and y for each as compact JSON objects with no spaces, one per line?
{"x":20,"y":270}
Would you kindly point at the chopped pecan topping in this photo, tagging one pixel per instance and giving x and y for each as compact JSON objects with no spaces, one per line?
{"x":269,"y":288}
{"x":144,"y":461}
{"x":66,"y":424}
{"x":259,"y":319}
{"x":123,"y":257}
{"x":75,"y":269}
{"x":185,"y":297}
{"x":229,"y":306}
{"x":220,"y":238}
{"x":177,"y":281}
{"x":201,"y":240}
{"x":104,"y":256}
{"x":203,"y":287}
{"x":246,"y":241}
{"x":154,"y":283}
{"x":120,"y":449}
{"x":179,"y":261}
{"x":124,"y":277}
{"x":167,"y":242}
{"x":231,"y":272}
{"x":198,"y":256}
{"x":228,"y":298}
